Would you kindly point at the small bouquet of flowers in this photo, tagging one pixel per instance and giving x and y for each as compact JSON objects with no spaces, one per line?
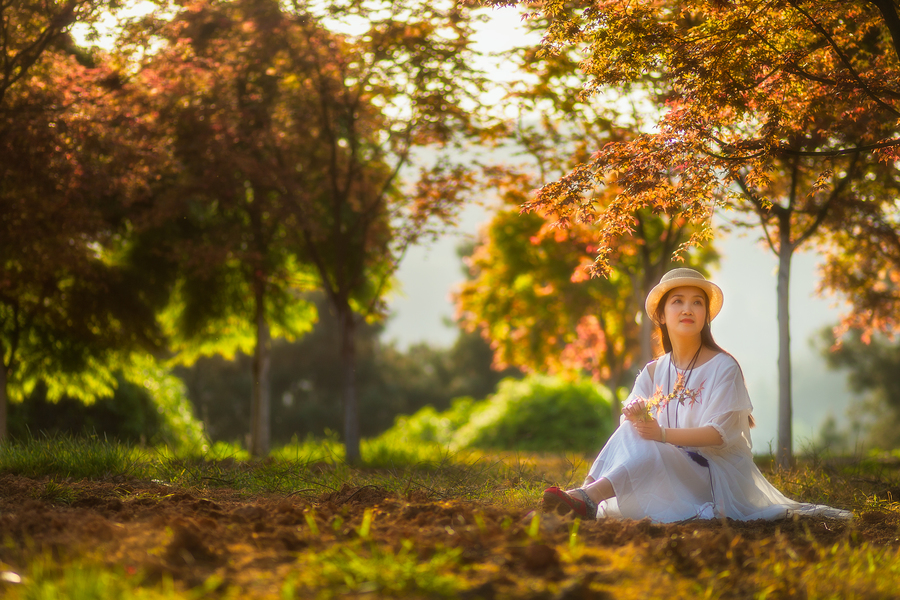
{"x":658,"y":401}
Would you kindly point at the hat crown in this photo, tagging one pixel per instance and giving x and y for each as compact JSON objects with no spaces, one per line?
{"x":682,"y":273}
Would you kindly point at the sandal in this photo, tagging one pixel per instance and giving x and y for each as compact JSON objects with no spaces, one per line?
{"x":558,"y":500}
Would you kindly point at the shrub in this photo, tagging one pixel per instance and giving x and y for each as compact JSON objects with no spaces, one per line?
{"x":538,"y":413}
{"x":148,"y":406}
{"x":430,"y":426}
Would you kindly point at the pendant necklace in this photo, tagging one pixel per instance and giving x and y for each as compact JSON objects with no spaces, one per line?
{"x":681,"y":381}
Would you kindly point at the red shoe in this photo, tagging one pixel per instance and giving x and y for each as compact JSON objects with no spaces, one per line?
{"x":558,"y":500}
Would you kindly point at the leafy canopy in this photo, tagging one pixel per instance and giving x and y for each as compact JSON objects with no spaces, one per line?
{"x":748,"y":91}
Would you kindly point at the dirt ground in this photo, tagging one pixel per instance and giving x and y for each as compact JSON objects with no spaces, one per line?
{"x":252,"y":543}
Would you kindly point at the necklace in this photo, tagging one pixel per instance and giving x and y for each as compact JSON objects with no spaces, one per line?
{"x":681,"y":381}
{"x":690,"y":368}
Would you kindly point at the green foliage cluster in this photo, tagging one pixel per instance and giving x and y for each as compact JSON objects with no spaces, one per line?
{"x":207,"y":402}
{"x":149,"y":406}
{"x":387,"y":573}
{"x":538,"y":413}
{"x":871,"y":364}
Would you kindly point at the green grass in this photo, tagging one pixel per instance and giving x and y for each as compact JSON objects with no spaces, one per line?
{"x":47,"y":579}
{"x":368,"y":569}
{"x":65,"y":456}
{"x":309,"y":468}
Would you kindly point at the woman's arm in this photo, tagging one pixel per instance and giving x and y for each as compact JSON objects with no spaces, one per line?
{"x":680,"y":436}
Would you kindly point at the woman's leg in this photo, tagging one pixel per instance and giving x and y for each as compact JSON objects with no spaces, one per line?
{"x":598,"y":490}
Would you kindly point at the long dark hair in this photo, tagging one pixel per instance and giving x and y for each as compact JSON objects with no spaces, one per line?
{"x":706,"y":336}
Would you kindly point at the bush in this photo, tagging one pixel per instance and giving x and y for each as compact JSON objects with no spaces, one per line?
{"x":429,"y":426}
{"x":150,"y":406}
{"x":538,"y":413}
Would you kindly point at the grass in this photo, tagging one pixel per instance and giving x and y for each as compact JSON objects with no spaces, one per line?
{"x":48,"y":580}
{"x":369,"y":569}
{"x":65,"y":456}
{"x":348,"y":555}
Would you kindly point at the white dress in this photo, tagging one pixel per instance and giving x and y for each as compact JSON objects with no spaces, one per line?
{"x":665,"y":483}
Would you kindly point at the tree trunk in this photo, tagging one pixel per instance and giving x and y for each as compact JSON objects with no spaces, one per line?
{"x":348,"y":367}
{"x":784,"y":452}
{"x":653,"y":272}
{"x":4,"y":399}
{"x":260,"y":401}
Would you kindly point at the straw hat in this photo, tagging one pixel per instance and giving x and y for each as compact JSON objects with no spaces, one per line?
{"x":681,"y":277}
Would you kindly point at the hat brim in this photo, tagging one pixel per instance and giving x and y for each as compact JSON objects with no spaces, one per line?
{"x":713,"y":292}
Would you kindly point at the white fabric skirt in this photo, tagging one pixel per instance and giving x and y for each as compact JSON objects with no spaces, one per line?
{"x":663,"y":482}
{"x":650,"y":479}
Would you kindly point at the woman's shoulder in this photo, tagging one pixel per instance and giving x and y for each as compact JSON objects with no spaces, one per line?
{"x":648,"y":373}
{"x":723,"y":362}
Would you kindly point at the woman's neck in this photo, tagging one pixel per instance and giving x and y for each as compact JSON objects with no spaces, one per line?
{"x":685,"y":351}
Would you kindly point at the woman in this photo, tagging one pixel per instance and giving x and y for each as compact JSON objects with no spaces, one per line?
{"x":683,"y":449}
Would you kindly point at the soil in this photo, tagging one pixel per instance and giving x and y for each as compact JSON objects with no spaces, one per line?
{"x":252,"y":543}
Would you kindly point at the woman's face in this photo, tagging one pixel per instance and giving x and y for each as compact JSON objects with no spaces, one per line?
{"x":684,"y":312}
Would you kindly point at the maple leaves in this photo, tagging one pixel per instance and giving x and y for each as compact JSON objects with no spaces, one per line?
{"x":745,"y":84}
{"x":238,"y":154}
{"x":530,"y":292}
{"x":297,"y":138}
{"x":680,"y":394}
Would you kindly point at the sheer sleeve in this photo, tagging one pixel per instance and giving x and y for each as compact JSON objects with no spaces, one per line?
{"x":728,"y":407}
{"x":734,"y":427}
{"x":643,"y":385}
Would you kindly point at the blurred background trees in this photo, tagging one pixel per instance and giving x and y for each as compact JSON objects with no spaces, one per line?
{"x":183,"y":193}
{"x":873,"y":420}
{"x":307,"y":382}
{"x":73,"y":310}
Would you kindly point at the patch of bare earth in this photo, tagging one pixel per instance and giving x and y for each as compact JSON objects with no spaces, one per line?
{"x":253,"y":543}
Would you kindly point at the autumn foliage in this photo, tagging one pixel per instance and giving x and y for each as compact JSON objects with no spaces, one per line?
{"x":750,"y":91}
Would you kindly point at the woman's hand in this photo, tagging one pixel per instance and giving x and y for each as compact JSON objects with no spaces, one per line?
{"x":648,"y":429}
{"x":635,"y":411}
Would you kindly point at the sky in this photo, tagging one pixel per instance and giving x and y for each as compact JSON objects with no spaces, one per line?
{"x":747,"y":326}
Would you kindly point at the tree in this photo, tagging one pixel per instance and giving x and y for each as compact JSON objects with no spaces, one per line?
{"x":872,"y":365}
{"x":72,"y":312}
{"x":32,"y":27}
{"x":219,"y":214}
{"x":406,"y":83}
{"x":530,"y":295}
{"x":294,"y":141}
{"x":779,"y":110}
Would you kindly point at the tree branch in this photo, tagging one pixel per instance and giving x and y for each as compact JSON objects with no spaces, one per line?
{"x":760,"y":211}
{"x":844,"y":59}
{"x":892,"y":20}
{"x":835,"y":193}
{"x":784,"y":150}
